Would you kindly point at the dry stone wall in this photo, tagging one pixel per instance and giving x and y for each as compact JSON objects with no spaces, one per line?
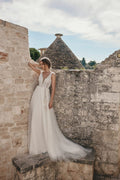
{"x":16,"y":86}
{"x":87,"y":104}
{"x":33,"y":167}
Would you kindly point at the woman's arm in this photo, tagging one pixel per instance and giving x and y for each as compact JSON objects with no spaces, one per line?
{"x":34,"y":68}
{"x":35,"y":64}
{"x":53,"y":83}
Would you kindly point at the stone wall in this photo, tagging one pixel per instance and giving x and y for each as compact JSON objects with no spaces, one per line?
{"x":16,"y":86}
{"x":87,"y":104}
{"x":33,"y":167}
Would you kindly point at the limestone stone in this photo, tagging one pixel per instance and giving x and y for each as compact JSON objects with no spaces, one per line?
{"x":41,"y":167}
{"x":13,"y":51}
{"x":1,"y":99}
{"x":19,"y":81}
{"x":3,"y":57}
{"x":86,"y":103}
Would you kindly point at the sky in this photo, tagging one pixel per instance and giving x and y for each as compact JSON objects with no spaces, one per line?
{"x":91,"y":28}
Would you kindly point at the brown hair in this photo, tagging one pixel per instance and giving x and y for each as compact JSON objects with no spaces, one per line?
{"x":46,"y":61}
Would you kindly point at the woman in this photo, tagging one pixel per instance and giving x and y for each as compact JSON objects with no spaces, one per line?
{"x":45,"y":135}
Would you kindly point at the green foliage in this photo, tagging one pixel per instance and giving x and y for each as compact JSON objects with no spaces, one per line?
{"x":34,"y":53}
{"x":83,"y":62}
{"x":78,"y":68}
{"x":82,"y":69}
{"x":92,"y":63}
{"x":65,"y":68}
{"x":89,"y":65}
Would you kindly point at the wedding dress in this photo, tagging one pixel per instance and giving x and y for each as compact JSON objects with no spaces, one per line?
{"x":44,"y":132}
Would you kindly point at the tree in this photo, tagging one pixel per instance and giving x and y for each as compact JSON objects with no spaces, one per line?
{"x":34,"y":53}
{"x":92,"y":63}
{"x":83,"y":62}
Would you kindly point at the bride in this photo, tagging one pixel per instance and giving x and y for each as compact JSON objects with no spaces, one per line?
{"x":45,"y":135}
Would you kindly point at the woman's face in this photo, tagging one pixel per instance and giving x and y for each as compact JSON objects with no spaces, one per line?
{"x":45,"y":66}
{"x":41,"y":65}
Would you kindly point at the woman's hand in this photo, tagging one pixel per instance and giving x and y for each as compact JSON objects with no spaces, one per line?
{"x":34,"y":68}
{"x":29,"y":64}
{"x":50,"y":104}
{"x":31,"y":61}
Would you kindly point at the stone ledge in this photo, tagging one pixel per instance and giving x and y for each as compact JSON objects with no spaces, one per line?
{"x":41,"y":167}
{"x":26,"y":162}
{"x":105,"y":177}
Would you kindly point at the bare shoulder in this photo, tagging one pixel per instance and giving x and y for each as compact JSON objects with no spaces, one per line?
{"x":53,"y":74}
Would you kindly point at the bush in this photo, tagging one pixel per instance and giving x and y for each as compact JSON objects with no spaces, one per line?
{"x":34,"y":54}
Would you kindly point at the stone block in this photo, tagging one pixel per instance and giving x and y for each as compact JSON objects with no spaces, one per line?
{"x":1,"y":100}
{"x":105,"y":97}
{"x":108,"y":169}
{"x":19,"y":81}
{"x":40,"y":167}
{"x":3,"y":57}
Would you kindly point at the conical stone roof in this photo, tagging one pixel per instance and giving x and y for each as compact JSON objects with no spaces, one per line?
{"x":61,"y":56}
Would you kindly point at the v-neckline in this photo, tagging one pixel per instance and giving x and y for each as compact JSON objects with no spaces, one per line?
{"x":43,"y":79}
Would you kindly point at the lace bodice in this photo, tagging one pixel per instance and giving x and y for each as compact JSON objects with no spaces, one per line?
{"x":45,"y":82}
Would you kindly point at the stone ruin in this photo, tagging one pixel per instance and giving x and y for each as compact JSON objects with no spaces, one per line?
{"x":87,"y":106}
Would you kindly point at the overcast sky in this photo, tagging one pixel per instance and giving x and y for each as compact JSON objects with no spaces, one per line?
{"x":91,"y":28}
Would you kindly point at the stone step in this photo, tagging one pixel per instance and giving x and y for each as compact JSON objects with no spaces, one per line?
{"x":40,"y":167}
{"x":105,"y":177}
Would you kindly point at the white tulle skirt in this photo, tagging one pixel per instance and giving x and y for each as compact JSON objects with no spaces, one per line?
{"x":44,"y":133}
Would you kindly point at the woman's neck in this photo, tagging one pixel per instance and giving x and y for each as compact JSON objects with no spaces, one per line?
{"x":47,"y":70}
